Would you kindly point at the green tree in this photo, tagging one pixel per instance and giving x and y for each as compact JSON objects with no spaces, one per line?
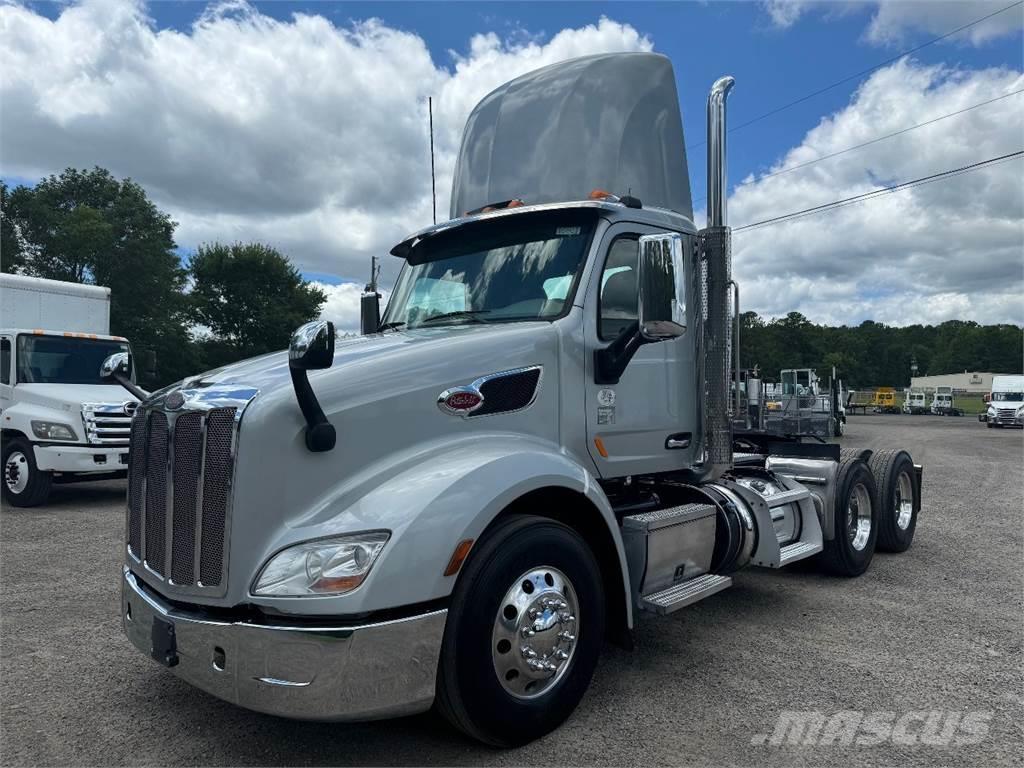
{"x":250,"y":297}
{"x":11,"y":257}
{"x":88,"y":226}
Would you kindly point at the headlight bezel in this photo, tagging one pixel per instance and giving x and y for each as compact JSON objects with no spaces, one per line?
{"x":42,"y":429}
{"x":296,"y":562}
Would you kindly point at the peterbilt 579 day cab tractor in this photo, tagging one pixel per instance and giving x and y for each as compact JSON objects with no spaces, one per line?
{"x":530,"y":454}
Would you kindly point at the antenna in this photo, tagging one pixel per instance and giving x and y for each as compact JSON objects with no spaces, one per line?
{"x":433,"y":183}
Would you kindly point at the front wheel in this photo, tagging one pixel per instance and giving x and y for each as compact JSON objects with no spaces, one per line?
{"x":25,"y":485}
{"x":524,"y":631}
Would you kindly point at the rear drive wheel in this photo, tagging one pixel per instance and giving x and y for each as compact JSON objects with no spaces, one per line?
{"x":898,"y":500}
{"x":25,"y":485}
{"x":523,"y":634}
{"x":850,"y":550}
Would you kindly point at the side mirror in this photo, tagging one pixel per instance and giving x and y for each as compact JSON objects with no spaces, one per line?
{"x":117,"y":364}
{"x":312,"y":348}
{"x":662,"y":307}
{"x":117,"y":369}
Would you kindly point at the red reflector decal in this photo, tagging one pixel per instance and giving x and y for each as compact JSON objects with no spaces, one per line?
{"x":463,"y":401}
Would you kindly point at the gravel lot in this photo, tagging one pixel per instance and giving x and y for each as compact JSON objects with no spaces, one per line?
{"x":938,"y":628}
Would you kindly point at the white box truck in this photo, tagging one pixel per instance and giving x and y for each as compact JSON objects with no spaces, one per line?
{"x":61,"y":418}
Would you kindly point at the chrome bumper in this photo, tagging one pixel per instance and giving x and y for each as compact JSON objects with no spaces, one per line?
{"x":309,"y":672}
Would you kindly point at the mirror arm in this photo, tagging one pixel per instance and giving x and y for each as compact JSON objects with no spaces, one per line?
{"x":320,"y":434}
{"x":138,"y":392}
{"x":611,"y":361}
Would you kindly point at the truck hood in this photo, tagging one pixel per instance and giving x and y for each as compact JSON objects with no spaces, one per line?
{"x":373,"y":355}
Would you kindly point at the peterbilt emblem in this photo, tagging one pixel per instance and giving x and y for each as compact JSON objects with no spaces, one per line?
{"x":174,"y":401}
{"x":460,"y":400}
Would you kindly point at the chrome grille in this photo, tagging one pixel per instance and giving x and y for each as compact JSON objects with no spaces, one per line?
{"x":188,"y":457}
{"x":181,"y":466}
{"x":108,"y":423}
{"x":216,"y":482}
{"x":1007,"y":413}
{"x":156,"y":493}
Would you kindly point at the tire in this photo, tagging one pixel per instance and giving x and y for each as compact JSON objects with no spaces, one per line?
{"x":24,"y":484}
{"x":500,"y":711}
{"x":850,"y":550}
{"x":895,"y":480}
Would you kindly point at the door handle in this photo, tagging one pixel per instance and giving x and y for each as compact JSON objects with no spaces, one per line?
{"x":678,"y":440}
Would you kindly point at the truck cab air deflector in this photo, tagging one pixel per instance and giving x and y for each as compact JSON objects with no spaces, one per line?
{"x":609,"y":121}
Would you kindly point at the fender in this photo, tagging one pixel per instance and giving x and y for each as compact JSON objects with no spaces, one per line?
{"x":429,"y":507}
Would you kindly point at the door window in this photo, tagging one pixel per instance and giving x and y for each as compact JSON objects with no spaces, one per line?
{"x":617,"y":304}
{"x":5,"y":361}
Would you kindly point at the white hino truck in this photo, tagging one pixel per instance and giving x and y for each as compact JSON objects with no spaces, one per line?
{"x":527,"y":454}
{"x":62,"y":418}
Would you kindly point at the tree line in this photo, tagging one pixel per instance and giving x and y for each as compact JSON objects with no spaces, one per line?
{"x":872,"y":354}
{"x":224,"y":303}
{"x":227,"y":302}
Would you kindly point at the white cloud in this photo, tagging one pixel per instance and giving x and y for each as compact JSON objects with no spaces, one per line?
{"x":892,"y":20}
{"x":951,"y":249}
{"x":299,"y":133}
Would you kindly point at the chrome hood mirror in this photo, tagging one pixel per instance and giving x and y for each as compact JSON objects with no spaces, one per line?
{"x":662,"y":306}
{"x":117,"y":369}
{"x":312,"y":348}
{"x":118,"y":363}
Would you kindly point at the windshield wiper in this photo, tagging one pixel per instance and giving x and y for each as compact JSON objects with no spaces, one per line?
{"x":468,"y":314}
{"x":391,"y":325}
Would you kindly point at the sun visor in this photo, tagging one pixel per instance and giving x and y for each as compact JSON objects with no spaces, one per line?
{"x":608,"y":122}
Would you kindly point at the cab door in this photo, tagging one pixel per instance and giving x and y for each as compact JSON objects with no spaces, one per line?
{"x":644,"y":423}
{"x":6,"y":370}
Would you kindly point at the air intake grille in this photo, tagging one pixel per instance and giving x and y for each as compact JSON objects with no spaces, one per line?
{"x":508,"y":391}
{"x":179,"y":483}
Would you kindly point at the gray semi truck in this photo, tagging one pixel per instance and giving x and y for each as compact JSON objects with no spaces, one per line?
{"x":529,"y":452}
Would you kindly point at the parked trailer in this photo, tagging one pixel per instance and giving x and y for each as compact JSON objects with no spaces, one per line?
{"x":529,"y":454}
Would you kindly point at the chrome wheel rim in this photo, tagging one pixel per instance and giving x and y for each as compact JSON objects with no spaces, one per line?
{"x":535,"y":631}
{"x":904,"y":502}
{"x":858,"y":517}
{"x":16,"y":472}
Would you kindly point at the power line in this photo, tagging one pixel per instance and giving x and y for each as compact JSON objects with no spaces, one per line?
{"x":863,"y":72}
{"x":872,"y":141}
{"x":877,"y":192}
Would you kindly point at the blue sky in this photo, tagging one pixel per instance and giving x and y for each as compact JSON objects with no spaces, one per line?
{"x":104,"y":90}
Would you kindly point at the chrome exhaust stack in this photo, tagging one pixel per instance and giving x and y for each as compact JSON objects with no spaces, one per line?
{"x":716,"y":276}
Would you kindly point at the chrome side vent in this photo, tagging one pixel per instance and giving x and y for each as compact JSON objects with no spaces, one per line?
{"x":511,"y":391}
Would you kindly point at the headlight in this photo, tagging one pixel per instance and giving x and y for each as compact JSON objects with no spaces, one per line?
{"x":323,"y":567}
{"x":991,"y":411}
{"x":51,"y":430}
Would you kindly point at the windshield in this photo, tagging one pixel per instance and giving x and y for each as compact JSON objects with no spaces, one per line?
{"x":1007,"y":397}
{"x":63,"y":359}
{"x":522,"y":267}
